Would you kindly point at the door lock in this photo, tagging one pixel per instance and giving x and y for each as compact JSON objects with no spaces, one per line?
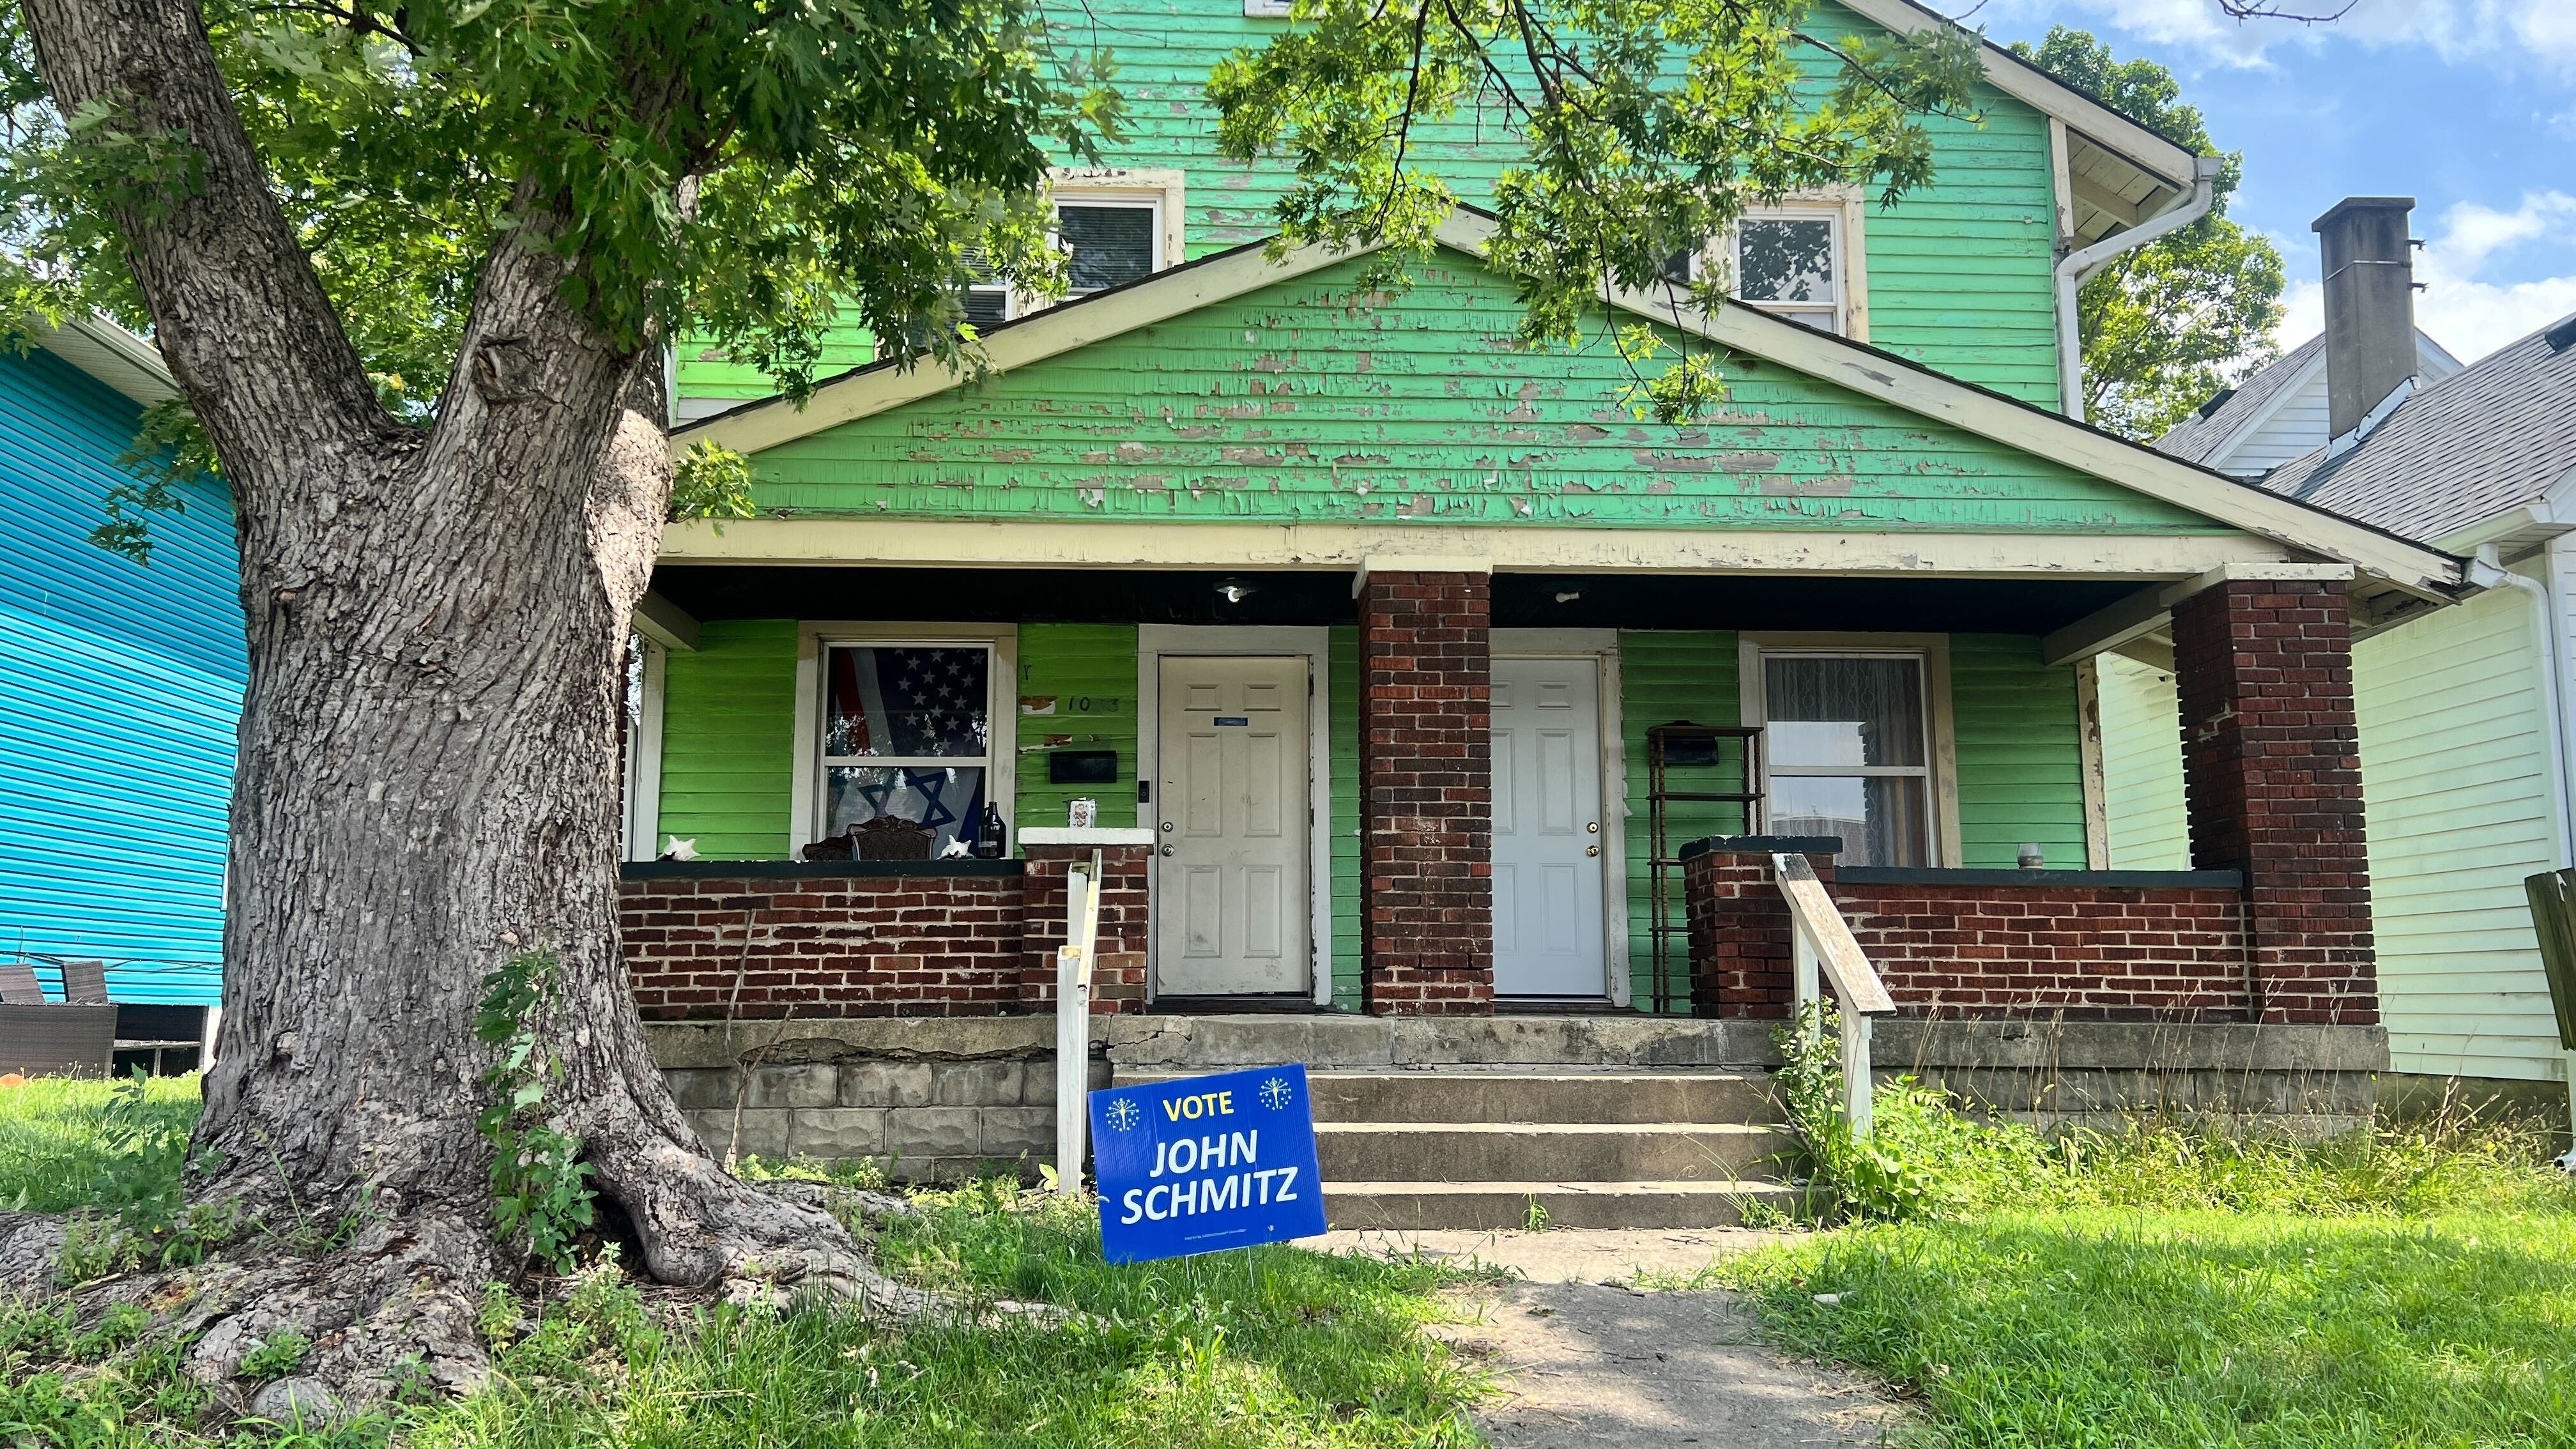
{"x":1594,"y":827}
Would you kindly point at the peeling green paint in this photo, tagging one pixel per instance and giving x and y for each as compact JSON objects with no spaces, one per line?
{"x":1178,"y":421}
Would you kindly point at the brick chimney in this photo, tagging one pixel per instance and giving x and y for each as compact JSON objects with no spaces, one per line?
{"x":2370,"y":307}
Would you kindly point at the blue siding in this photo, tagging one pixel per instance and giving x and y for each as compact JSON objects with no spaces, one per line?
{"x":120,"y":687}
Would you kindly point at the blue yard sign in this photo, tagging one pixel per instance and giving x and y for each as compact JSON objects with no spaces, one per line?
{"x":1203,"y":1163}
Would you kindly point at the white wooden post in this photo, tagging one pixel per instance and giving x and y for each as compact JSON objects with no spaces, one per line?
{"x":2568,"y":1162}
{"x":1806,"y":988}
{"x":1073,"y":1021}
{"x":1856,"y":1073}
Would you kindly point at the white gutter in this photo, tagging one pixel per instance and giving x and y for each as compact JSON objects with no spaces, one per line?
{"x":2079,"y":265}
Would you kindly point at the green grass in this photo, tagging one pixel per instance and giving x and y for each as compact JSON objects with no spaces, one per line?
{"x":2174,"y":1285}
{"x":53,"y":1157}
{"x":1273,"y":1346}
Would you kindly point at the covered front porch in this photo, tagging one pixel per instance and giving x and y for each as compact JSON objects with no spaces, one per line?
{"x":1426,"y":783}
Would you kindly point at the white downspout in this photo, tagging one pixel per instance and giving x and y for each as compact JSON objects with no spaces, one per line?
{"x":2553,"y":702}
{"x":2079,"y":265}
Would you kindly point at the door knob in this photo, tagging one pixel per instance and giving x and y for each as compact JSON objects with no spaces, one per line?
{"x":1592,"y":850}
{"x":1167,"y":850}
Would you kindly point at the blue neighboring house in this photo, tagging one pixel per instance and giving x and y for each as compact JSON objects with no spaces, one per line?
{"x":120,"y":685}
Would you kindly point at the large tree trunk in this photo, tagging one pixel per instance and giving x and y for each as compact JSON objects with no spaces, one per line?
{"x":427,"y":776}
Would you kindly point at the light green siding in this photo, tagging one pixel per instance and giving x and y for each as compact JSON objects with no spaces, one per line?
{"x":2021,"y":770}
{"x":699,"y":369}
{"x":728,"y":739}
{"x":1290,"y":404}
{"x":1958,"y":273}
{"x":2455,"y":781}
{"x":1668,"y":678}
{"x":1084,"y":675}
{"x":2142,"y":766}
{"x":1343,"y":754}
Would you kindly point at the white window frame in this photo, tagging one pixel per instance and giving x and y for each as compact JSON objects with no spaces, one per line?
{"x":1163,"y":191}
{"x":1846,"y":211}
{"x":806,"y":809}
{"x":1941,"y":747}
{"x":642,"y":821}
{"x":1266,"y":9}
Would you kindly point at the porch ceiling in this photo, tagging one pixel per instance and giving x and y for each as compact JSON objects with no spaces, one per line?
{"x":1521,"y":600}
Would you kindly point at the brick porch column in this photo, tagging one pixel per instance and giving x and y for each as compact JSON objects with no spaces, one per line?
{"x":1739,"y":923}
{"x":1426,"y":793}
{"x":2272,"y":775}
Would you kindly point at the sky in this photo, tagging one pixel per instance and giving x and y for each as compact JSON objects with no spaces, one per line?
{"x":2469,"y":106}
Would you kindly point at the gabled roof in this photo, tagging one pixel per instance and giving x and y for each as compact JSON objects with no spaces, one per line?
{"x":2494,"y":436}
{"x":111,"y":354}
{"x":2205,"y":436}
{"x":2120,"y":172}
{"x":1865,"y":370}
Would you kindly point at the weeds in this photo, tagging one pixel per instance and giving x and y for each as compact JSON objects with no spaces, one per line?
{"x":541,"y":1195}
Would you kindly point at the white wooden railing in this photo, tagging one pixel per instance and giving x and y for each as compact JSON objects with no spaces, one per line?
{"x":1819,"y":936}
{"x":1073,"y":1020}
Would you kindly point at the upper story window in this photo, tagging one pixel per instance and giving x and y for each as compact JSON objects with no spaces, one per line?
{"x":1796,"y":260}
{"x":1115,"y":226}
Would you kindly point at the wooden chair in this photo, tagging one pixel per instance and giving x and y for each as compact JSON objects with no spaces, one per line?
{"x":18,"y":986}
{"x":85,"y":983}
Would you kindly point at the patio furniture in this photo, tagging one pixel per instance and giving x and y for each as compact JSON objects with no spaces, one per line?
{"x":85,"y":983}
{"x":56,"y":1040}
{"x":18,"y":985}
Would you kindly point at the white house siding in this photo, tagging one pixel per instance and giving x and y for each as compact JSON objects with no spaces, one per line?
{"x":2142,"y":766}
{"x":2455,"y":768}
{"x":2298,"y":427}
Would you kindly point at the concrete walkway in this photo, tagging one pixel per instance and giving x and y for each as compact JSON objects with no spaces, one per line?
{"x":1585,"y":1361}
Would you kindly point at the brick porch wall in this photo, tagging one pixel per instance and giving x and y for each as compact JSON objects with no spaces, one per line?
{"x":1426,"y":793}
{"x":1966,"y":948}
{"x":2272,"y":773}
{"x":1118,"y":977}
{"x":970,"y":939}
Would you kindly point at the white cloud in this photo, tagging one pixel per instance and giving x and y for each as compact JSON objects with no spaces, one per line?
{"x":2464,"y":312}
{"x":2514,"y":32}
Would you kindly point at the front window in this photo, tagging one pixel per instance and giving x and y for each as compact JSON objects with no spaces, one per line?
{"x":1845,"y":737}
{"x":907,"y":735}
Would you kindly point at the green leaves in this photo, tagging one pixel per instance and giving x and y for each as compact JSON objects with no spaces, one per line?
{"x":541,"y":1194}
{"x":2166,"y":326}
{"x":1650,"y":126}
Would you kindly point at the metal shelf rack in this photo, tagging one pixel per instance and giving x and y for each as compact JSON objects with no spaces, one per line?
{"x":1694,"y":749}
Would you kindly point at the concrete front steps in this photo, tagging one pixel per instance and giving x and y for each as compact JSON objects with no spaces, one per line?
{"x":1501,"y":1146}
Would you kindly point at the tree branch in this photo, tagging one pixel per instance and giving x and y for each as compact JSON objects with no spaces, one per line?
{"x":236,"y":308}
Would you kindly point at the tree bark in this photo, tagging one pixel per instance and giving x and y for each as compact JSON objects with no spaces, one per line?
{"x":427,"y":777}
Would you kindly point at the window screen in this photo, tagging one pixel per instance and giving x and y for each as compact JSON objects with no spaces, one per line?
{"x":1111,"y":243}
{"x":1845,"y":739}
{"x":1791,"y":265}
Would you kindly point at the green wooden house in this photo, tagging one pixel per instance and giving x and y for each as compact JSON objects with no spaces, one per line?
{"x":1341,"y":623}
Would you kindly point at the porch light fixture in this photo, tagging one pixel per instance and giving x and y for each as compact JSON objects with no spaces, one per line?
{"x":1234,"y":591}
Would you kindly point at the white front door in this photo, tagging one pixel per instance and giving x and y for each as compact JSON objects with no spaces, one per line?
{"x":1548,"y":828}
{"x":1231,"y":908}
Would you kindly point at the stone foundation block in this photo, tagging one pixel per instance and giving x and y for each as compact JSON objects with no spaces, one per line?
{"x":888,"y":1084}
{"x":836,"y":1133}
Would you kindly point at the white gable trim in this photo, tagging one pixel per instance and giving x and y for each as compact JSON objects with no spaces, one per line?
{"x":110,"y":354}
{"x":2035,"y":88}
{"x":2412,"y":567}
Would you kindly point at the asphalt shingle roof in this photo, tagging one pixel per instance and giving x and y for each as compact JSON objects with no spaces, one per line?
{"x":2490,"y":437}
{"x":2195,"y":438}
